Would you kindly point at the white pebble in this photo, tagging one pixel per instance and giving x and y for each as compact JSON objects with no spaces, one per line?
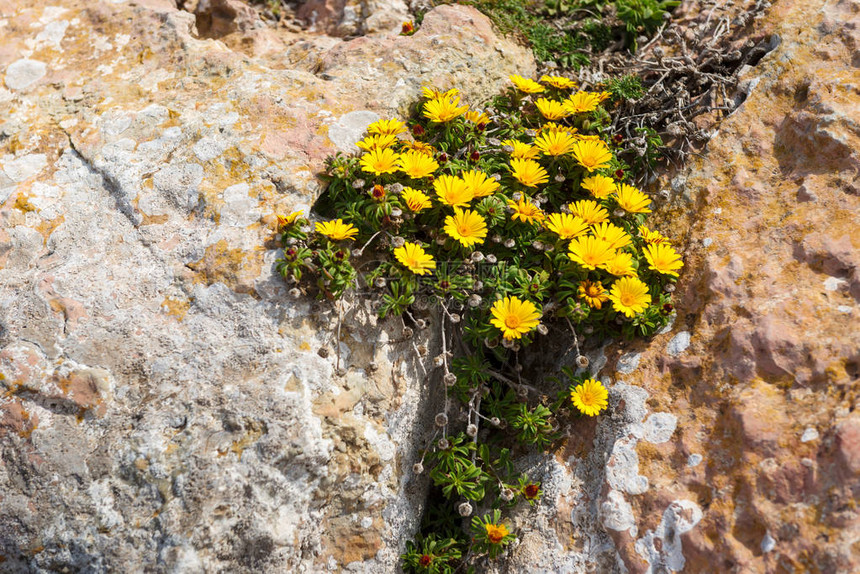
{"x":809,"y":434}
{"x":694,"y":460}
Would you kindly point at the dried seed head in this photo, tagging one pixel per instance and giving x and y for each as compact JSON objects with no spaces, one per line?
{"x":394,"y":188}
{"x":396,"y":212}
{"x":421,"y":324}
{"x":358,"y":184}
{"x":522,"y":392}
{"x":407,"y":332}
{"x":292,"y":240}
{"x":450,"y":379}
{"x":507,"y":343}
{"x":443,"y":443}
{"x":440,"y":241}
{"x":669,"y":288}
{"x":295,"y":293}
{"x":441,"y":419}
{"x":491,"y":259}
{"x":541,"y":198}
{"x":619,"y":213}
{"x":517,"y":196}
{"x":479,"y":285}
{"x":438,"y":361}
{"x":379,"y":282}
{"x":588,"y":329}
{"x":422,"y":350}
{"x":509,"y":243}
{"x":474,"y":300}
{"x":495,"y":421}
{"x":417,"y":468}
{"x":491,"y":343}
{"x":477,"y":256}
{"x":507,"y":149}
{"x":507,"y":495}
{"x":398,"y":242}
{"x":323,"y":352}
{"x":357,"y":252}
{"x":559,"y":178}
{"x":538,"y":245}
{"x":542,"y":329}
{"x":496,"y":238}
{"x":455,"y":317}
{"x":582,"y":361}
{"x":472,"y":430}
{"x":495,"y":142}
{"x":464,"y":509}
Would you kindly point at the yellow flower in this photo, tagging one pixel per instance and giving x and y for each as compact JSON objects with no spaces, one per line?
{"x":386,"y":127}
{"x":559,"y":82}
{"x":599,"y":186}
{"x":652,"y":237}
{"x":444,"y":109}
{"x":551,"y":110}
{"x":434,"y":94}
{"x":612,"y":234}
{"x":629,"y":295}
{"x":477,"y":117}
{"x":467,"y":227}
{"x":337,"y":229}
{"x":555,"y":143}
{"x":567,"y":226}
{"x":631,"y":199}
{"x":415,"y":200}
{"x":416,"y":164}
{"x":451,"y":190}
{"x":526,"y":211}
{"x":602,"y":96}
{"x":514,"y":317}
{"x":620,"y":265}
{"x":592,"y":154}
{"x":589,"y":210}
{"x":526,"y":85}
{"x":495,"y":532}
{"x":663,"y":259}
{"x":554,"y":127}
{"x":422,"y":147}
{"x":593,"y":293}
{"x":521,"y":150}
{"x":581,"y":102}
{"x":528,"y":172}
{"x":379,"y":161}
{"x":414,"y":258}
{"x":591,"y":397}
{"x":590,"y":252}
{"x":377,"y":141}
{"x":479,"y":183}
{"x":284,"y":220}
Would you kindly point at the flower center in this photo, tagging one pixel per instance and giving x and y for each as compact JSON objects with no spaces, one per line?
{"x":592,"y":291}
{"x":627,"y":299}
{"x":512,"y":321}
{"x":464,"y":230}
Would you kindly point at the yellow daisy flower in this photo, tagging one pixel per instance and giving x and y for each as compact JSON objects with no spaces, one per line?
{"x":629,"y":295}
{"x":592,"y":154}
{"x":415,"y":200}
{"x":652,"y":237}
{"x":477,"y":117}
{"x":467,"y":227}
{"x":422,"y":147}
{"x":581,"y":102}
{"x":526,"y":85}
{"x":590,"y":252}
{"x":602,"y":96}
{"x":479,"y":183}
{"x":414,"y":258}
{"x":555,"y":143}
{"x":377,"y":141}
{"x":522,"y":150}
{"x":526,"y":211}
{"x":589,"y":210}
{"x":284,"y":220}
{"x":434,"y":94}
{"x":514,"y":317}
{"x":496,"y":532}
{"x":559,"y":82}
{"x":416,"y":164}
{"x":631,"y":199}
{"x":621,"y":265}
{"x":551,"y":110}
{"x":379,"y":161}
{"x":599,"y":186}
{"x":663,"y":259}
{"x":337,"y":229}
{"x":593,"y":293}
{"x":443,"y":110}
{"x":612,"y":234}
{"x":528,"y":172}
{"x":551,"y":127}
{"x":590,"y":398}
{"x":386,"y":127}
{"x":451,"y":190}
{"x":566,"y":226}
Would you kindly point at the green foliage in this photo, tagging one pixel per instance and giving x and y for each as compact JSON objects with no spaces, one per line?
{"x":499,"y":279}
{"x":627,"y":87}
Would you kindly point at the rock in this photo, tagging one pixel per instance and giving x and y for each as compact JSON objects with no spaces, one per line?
{"x":163,"y":403}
